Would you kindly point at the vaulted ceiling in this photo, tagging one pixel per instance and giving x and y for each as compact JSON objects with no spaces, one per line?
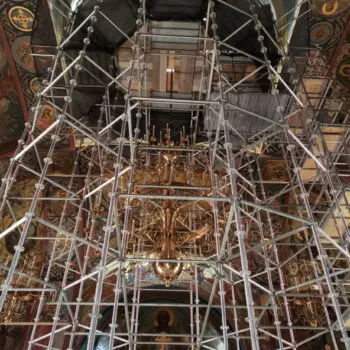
{"x":27,"y":40}
{"x":29,"y":31}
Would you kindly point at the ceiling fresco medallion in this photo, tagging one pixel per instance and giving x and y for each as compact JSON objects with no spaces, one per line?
{"x":343,"y":70}
{"x":21,"y":18}
{"x":343,"y":66}
{"x":326,"y":33}
{"x":330,"y":7}
{"x":34,"y":85}
{"x":321,"y":33}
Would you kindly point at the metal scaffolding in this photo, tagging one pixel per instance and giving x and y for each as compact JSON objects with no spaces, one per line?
{"x":272,"y":249}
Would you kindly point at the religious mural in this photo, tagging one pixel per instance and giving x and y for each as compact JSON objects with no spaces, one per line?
{"x":19,"y":84}
{"x":330,"y":32}
{"x":342,"y":69}
{"x":21,"y":18}
{"x":20,"y":71}
{"x":326,"y":33}
{"x":326,"y":30}
{"x":11,"y":120}
{"x":11,"y":114}
{"x":330,"y":7}
{"x":17,"y":23}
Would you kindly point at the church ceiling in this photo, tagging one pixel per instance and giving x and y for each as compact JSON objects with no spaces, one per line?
{"x":19,"y":72}
{"x":329,"y":31}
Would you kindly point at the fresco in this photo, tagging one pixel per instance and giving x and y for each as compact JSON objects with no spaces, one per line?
{"x":330,"y":33}
{"x":17,"y":23}
{"x":11,"y":114}
{"x":330,"y":7}
{"x":21,"y":53}
{"x":46,"y":118}
{"x":325,"y":33}
{"x":342,"y":69}
{"x":11,"y":120}
{"x":18,"y":26}
{"x":21,"y":18}
{"x":20,"y":72}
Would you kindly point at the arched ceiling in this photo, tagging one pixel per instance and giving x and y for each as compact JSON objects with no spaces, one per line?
{"x":20,"y":73}
{"x":22,"y":33}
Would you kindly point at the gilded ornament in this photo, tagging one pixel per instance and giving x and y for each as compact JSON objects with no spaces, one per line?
{"x":21,"y":18}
